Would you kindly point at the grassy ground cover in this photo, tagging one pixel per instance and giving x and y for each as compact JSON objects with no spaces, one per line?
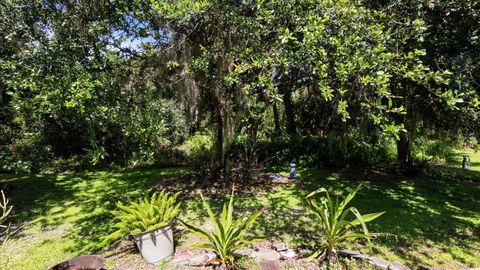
{"x":430,"y":222}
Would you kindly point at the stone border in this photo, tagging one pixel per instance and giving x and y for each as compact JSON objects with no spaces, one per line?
{"x":381,"y":263}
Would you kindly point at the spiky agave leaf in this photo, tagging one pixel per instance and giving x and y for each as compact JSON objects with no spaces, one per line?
{"x":332,"y":216}
{"x":228,"y":234}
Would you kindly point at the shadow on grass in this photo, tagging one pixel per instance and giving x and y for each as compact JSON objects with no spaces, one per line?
{"x":423,"y":215}
{"x":423,"y":211}
{"x":442,"y":212}
{"x":83,"y":200}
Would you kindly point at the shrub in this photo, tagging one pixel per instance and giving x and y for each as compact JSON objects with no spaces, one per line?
{"x":151,"y":213}
{"x":436,"y":150}
{"x":312,"y":151}
{"x":198,"y":144}
{"x":229,"y":234}
{"x":334,"y":223}
{"x":10,"y":160}
{"x":199,"y":149}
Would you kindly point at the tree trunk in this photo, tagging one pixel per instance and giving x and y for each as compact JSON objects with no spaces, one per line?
{"x":404,"y":147}
{"x":276,"y":118}
{"x":219,"y":140}
{"x":289,"y":112}
{"x":404,"y":144}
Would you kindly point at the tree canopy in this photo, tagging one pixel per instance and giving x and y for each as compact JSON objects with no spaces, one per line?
{"x":92,"y":83}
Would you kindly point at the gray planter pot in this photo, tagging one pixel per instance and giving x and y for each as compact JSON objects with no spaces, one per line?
{"x":156,"y":245}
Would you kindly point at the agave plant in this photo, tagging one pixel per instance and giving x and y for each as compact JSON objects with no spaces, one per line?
{"x":5,"y":208}
{"x":151,"y":213}
{"x":228,"y":234}
{"x":336,"y":223}
{"x":5,"y":211}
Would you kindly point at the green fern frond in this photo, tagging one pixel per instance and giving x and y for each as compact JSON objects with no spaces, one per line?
{"x":151,"y":213}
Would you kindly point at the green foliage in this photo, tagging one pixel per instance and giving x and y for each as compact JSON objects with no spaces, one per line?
{"x":199,"y":150}
{"x":334,"y":222}
{"x":311,"y":151}
{"x":126,"y":84}
{"x":228,"y":234}
{"x":151,"y":213}
{"x":440,"y":150}
{"x":10,"y":162}
{"x":198,"y":144}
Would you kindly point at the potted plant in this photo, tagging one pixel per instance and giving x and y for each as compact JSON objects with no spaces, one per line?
{"x":150,"y":224}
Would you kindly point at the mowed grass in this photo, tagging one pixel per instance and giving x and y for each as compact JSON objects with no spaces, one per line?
{"x":68,"y":215}
{"x":429,"y":222}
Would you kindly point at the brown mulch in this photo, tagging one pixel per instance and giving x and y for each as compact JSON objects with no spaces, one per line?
{"x":190,"y":186}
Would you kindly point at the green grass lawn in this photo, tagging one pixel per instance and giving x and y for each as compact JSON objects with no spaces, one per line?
{"x":429,"y":221}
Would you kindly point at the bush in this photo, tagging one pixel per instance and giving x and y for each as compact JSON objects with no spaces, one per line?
{"x":435,"y":150}
{"x":312,"y":151}
{"x":199,"y":150}
{"x":10,"y":160}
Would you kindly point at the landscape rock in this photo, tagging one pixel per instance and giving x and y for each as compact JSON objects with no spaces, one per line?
{"x":360,"y":256}
{"x":270,"y":265}
{"x":287,"y":254}
{"x":202,"y":259}
{"x":244,"y":251}
{"x":398,"y":266}
{"x":347,"y":252}
{"x":88,"y":262}
{"x":258,"y":245}
{"x":279,"y":246}
{"x":378,"y":262}
{"x":181,"y":258}
{"x":188,"y":260}
{"x":263,"y":254}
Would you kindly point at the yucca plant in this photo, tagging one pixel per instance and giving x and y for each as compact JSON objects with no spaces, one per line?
{"x":5,"y":211}
{"x":151,"y":213}
{"x":228,"y":234}
{"x":336,"y":223}
{"x":5,"y":208}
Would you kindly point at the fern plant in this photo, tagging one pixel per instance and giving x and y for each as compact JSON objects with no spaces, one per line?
{"x":335,"y":222}
{"x":151,"y":213}
{"x":228,"y":234}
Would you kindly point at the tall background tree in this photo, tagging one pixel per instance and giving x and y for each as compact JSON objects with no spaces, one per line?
{"x":99,"y":83}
